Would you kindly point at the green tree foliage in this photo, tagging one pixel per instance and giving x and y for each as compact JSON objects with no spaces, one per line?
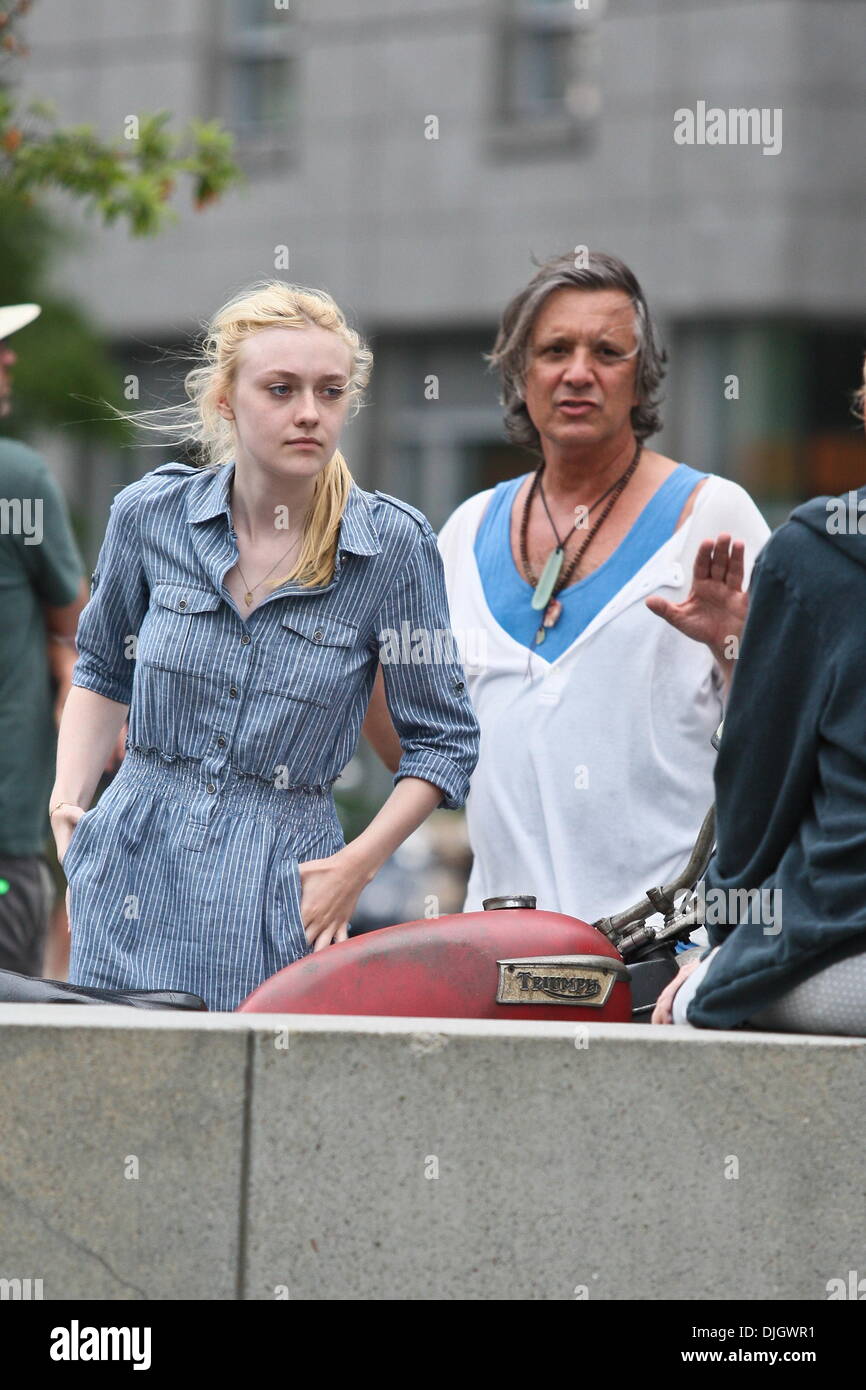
{"x":61,"y":356}
{"x":127,"y":181}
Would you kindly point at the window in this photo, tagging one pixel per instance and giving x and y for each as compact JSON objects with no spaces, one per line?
{"x":768,"y":403}
{"x":260,"y":86}
{"x":548,"y":71}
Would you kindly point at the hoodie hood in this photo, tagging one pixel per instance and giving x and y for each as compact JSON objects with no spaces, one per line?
{"x":841,"y":521}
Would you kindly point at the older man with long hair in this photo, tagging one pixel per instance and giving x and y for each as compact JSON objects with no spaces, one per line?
{"x":596,"y":763}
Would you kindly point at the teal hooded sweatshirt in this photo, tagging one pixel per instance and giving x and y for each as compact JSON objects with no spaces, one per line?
{"x":791,"y":772}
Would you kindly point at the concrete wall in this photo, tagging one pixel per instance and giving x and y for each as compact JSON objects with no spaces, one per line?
{"x":297,"y":1157}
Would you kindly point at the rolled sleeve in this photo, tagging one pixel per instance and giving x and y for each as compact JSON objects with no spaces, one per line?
{"x":119,"y":597}
{"x":425,"y":683}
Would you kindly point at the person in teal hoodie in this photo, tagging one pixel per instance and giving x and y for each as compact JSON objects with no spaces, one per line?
{"x":787,"y":884}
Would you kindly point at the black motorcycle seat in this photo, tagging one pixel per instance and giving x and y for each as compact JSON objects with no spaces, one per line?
{"x":29,"y":989}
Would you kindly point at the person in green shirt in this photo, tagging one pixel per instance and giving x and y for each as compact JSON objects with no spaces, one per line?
{"x":42,"y":592}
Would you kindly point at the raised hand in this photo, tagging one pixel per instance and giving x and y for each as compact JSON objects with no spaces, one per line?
{"x":716,"y":609}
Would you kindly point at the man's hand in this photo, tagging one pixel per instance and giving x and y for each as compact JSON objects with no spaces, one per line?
{"x":716,"y":609}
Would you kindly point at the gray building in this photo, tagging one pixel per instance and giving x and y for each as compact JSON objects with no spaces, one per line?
{"x":411,"y":156}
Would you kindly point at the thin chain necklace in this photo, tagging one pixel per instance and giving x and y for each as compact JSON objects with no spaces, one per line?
{"x":248,"y":596}
{"x":553,"y":577}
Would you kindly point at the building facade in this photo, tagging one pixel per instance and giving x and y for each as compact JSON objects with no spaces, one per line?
{"x":413,"y":156}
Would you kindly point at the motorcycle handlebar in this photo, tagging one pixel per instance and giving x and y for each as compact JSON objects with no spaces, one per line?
{"x":662,"y":899}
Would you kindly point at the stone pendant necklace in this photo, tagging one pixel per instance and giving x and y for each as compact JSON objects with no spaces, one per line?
{"x":553,"y":577}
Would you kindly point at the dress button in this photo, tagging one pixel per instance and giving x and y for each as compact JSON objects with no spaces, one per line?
{"x":182,"y":603}
{"x":233,"y":690}
{"x":221,"y":743}
{"x":318,"y":635}
{"x":245,"y":639}
{"x":211,"y":787}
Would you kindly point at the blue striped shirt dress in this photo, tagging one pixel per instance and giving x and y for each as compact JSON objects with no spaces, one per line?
{"x":185,"y":873}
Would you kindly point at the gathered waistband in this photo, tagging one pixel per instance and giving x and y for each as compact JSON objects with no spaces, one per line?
{"x":233,"y":791}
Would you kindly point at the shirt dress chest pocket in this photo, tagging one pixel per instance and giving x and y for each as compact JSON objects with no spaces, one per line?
{"x":181,"y":630}
{"x":314,"y":657}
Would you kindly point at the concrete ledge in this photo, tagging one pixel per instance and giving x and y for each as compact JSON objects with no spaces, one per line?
{"x":84,"y":1098}
{"x":336,"y":1158}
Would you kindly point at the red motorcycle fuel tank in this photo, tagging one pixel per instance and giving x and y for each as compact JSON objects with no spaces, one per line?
{"x":511,"y":963}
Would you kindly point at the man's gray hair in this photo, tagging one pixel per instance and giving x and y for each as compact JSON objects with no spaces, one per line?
{"x":596,"y":271}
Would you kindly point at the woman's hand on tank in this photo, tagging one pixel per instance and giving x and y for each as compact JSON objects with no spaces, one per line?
{"x":330,"y":888}
{"x":663,"y":1011}
{"x":716,"y":609}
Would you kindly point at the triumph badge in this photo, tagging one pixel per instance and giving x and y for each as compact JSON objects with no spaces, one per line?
{"x":583,"y":980}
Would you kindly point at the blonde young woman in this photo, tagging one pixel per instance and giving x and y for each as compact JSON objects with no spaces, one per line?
{"x":238,"y":614}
